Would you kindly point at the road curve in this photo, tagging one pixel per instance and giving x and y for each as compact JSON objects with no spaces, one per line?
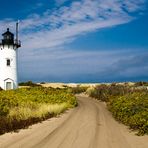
{"x":89,"y":125}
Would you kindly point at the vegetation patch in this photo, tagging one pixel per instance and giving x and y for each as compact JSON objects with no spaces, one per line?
{"x":78,"y":89}
{"x":29,"y":83}
{"x":23,"y":107}
{"x":128,"y":105}
{"x":141,"y":83}
{"x":132,"y":109}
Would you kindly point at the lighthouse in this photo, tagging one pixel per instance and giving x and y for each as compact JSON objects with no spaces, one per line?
{"x":8,"y":60}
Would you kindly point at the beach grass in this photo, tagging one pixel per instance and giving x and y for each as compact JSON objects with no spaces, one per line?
{"x":23,"y":107}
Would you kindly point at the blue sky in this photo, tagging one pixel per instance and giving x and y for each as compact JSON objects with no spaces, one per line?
{"x":80,"y":40}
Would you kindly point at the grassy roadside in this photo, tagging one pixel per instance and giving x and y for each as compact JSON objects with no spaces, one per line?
{"x":128,"y":105}
{"x":23,"y":107}
{"x":132,"y":110}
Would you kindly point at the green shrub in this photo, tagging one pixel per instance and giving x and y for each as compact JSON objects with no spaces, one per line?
{"x":22,"y":107}
{"x":141,"y":83}
{"x":105,"y":92}
{"x":132,"y":110}
{"x":128,"y":105}
{"x":78,"y":89}
{"x":28,"y":83}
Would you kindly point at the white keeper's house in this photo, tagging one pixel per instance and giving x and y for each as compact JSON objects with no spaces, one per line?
{"x":8,"y":60}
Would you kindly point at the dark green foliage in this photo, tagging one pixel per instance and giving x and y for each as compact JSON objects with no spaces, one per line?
{"x":4,"y":108}
{"x":42,"y":83}
{"x":141,"y":83}
{"x":104,"y":92}
{"x":29,"y":83}
{"x":78,"y":89}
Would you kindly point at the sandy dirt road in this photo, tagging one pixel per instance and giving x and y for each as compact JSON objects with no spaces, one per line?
{"x":89,"y":125}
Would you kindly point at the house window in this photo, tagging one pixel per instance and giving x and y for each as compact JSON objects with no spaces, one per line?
{"x":8,"y":62}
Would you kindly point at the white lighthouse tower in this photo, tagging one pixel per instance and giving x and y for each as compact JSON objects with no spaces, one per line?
{"x":8,"y":60}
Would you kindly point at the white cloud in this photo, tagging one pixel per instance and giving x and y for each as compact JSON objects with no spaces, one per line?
{"x":59,"y":26}
{"x":68,"y":62}
{"x":132,"y":5}
{"x":65,"y":65}
{"x":42,"y":33}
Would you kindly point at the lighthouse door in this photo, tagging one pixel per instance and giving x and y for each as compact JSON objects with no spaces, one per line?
{"x":8,"y":85}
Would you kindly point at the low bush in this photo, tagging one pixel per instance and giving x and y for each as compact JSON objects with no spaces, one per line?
{"x":28,"y":83}
{"x":127,"y":104}
{"x":141,"y":83}
{"x":22,"y":107}
{"x":78,"y":89}
{"x":132,"y":109}
{"x":105,"y":92}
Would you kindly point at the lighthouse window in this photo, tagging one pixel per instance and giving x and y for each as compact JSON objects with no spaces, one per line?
{"x":8,"y":62}
{"x":8,"y":37}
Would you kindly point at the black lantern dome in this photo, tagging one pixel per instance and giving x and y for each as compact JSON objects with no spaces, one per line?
{"x":8,"y":39}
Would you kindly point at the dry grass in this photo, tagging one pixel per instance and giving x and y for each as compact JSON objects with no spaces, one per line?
{"x":26,"y":106}
{"x":39,"y":111}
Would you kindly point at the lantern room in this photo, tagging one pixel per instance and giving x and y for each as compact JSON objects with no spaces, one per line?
{"x":8,"y":38}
